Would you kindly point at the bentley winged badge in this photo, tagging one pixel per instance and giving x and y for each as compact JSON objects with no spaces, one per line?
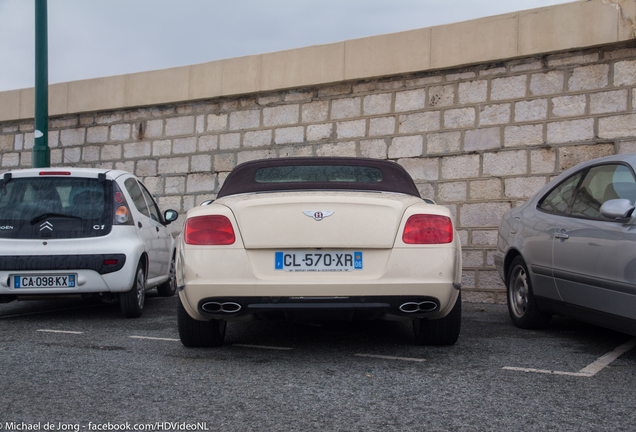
{"x":318,"y":215}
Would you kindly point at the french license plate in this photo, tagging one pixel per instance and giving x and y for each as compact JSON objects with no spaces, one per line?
{"x":308,"y":261}
{"x":44,"y":281}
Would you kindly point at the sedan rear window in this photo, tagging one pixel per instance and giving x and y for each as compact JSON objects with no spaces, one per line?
{"x":313,"y":173}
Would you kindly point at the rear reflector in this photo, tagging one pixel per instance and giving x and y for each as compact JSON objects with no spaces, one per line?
{"x":209,"y":230}
{"x":428,"y":229}
{"x":110,"y":262}
{"x":55,"y":173}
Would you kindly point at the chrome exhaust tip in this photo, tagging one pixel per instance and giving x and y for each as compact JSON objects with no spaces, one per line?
{"x":230,"y":307}
{"x":413,"y":307}
{"x":225,"y":307}
{"x":410,"y":307}
{"x":212,"y":307}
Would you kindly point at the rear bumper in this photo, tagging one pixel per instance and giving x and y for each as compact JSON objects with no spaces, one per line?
{"x":389,"y":279}
{"x":36,"y":258}
{"x":316,"y":308}
{"x":277,"y":251}
{"x":378,"y":297}
{"x":101,"y":263}
{"x":86,"y":281}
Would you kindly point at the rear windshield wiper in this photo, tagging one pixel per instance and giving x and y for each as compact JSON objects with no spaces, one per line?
{"x":48,"y":215}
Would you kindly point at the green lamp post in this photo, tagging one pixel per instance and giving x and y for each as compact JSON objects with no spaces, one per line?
{"x":41,"y":153}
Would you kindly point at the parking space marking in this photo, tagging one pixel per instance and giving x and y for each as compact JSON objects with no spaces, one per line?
{"x":60,"y":331}
{"x":263,"y":347}
{"x":391,"y":357}
{"x":154,"y":338}
{"x":591,"y":369}
{"x":608,"y":358}
{"x":544,"y":371}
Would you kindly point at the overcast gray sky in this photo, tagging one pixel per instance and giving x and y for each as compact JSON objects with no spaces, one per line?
{"x":96,"y":38}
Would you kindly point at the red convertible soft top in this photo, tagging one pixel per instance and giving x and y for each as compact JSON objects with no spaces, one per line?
{"x":318,"y":173}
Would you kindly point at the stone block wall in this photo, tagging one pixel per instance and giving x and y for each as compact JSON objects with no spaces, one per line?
{"x":479,"y":140}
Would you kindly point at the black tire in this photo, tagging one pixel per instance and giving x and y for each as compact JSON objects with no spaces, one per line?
{"x":199,"y":334}
{"x":522,"y":305}
{"x":443,"y":331}
{"x":132,"y":302}
{"x":169,"y":287}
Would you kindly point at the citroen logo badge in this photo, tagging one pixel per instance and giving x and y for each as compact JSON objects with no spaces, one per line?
{"x":318,"y":215}
{"x":46,"y":225}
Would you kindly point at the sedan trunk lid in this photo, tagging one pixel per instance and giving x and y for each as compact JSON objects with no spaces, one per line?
{"x":318,"y":219}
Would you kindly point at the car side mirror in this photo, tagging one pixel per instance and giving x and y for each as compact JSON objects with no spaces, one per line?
{"x":617,"y":209}
{"x":170,"y":216}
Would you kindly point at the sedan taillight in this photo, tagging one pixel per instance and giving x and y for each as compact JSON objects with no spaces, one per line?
{"x":209,"y":230}
{"x":428,"y":229}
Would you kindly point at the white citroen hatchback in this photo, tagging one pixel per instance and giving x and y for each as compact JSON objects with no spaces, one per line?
{"x":83,"y":231}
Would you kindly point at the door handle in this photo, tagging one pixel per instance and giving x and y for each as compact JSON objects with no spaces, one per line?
{"x":139,"y":224}
{"x":561,"y":235}
{"x":157,"y":228}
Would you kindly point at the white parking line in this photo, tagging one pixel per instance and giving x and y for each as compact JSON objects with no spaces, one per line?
{"x":60,"y":331}
{"x":608,"y":358}
{"x":544,"y":371}
{"x":391,"y":357}
{"x":154,"y":338}
{"x":263,"y":347}
{"x":591,"y":369}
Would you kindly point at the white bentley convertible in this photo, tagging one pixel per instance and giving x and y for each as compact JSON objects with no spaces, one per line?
{"x":319,"y":239}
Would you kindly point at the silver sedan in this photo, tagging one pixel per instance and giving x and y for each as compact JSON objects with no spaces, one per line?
{"x":571,"y":248}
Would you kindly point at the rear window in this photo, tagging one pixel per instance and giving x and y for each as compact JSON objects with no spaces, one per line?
{"x":57,"y":207}
{"x":313,"y":173}
{"x":318,"y":173}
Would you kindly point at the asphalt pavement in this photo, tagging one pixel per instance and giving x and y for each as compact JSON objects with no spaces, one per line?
{"x":78,"y":365}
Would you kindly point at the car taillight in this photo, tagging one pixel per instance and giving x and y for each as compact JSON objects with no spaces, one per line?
{"x":428,"y":229}
{"x":209,"y":230}
{"x":121,"y":215}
